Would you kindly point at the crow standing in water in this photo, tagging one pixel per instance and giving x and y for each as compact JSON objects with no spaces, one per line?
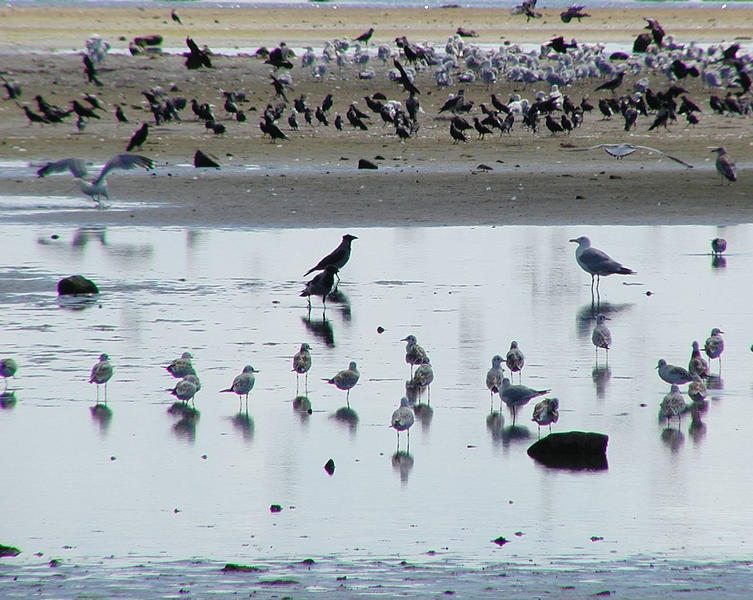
{"x":337,"y":258}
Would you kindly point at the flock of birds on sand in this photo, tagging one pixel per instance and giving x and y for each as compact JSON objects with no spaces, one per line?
{"x":593,"y":261}
{"x":556,"y":65}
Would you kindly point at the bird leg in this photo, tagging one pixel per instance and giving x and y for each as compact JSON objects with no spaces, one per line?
{"x":347,"y":398}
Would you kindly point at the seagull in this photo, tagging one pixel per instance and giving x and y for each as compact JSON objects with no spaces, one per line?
{"x":186,"y":388}
{"x":596,"y":263}
{"x":673,"y":374}
{"x":243,"y":384}
{"x":423,"y":376}
{"x":346,"y":380}
{"x":414,"y":354}
{"x":672,"y":405}
{"x":724,"y":166}
{"x":182,"y":366}
{"x":546,"y":412}
{"x":101,"y":373}
{"x":302,"y":364}
{"x":515,"y":359}
{"x":97,"y":189}
{"x":697,"y":365}
{"x":402,"y":420}
{"x":494,"y":377}
{"x":714,"y":345}
{"x":8,"y":368}
{"x":518,"y":395}
{"x":623,"y":150}
{"x":601,"y":336}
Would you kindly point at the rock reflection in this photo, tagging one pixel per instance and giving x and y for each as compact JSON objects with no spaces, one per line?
{"x":673,"y":438}
{"x":243,"y":422}
{"x":322,"y":329}
{"x":347,"y":416}
{"x":402,"y":462}
{"x":102,"y":415}
{"x":601,"y":376}
{"x":586,"y":315}
{"x":8,"y":399}
{"x":77,"y":303}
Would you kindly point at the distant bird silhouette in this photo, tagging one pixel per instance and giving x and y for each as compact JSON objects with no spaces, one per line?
{"x":320,"y":285}
{"x":718,"y":246}
{"x":84,"y":111}
{"x":196,"y":57}
{"x":365,"y":36}
{"x":612,"y":84}
{"x":278,"y":58}
{"x":90,"y":71}
{"x":642,"y":42}
{"x":595,"y":262}
{"x":8,"y":368}
{"x":138,"y":138}
{"x":120,"y":115}
{"x":456,"y":134}
{"x":657,"y":31}
{"x":34,"y":117}
{"x":404,"y":80}
{"x":12,"y":89}
{"x":724,"y":166}
{"x":559,"y":44}
{"x":574,"y":12}
{"x":174,"y":16}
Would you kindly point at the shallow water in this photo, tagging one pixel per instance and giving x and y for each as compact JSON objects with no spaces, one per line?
{"x":142,"y":484}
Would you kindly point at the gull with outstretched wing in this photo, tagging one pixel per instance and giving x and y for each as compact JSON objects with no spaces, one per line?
{"x":623,"y":150}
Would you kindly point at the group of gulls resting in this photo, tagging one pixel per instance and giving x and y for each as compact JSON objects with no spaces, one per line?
{"x":557,"y":67}
{"x":593,"y":261}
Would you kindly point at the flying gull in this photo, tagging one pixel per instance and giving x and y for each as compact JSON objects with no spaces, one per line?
{"x":623,"y":150}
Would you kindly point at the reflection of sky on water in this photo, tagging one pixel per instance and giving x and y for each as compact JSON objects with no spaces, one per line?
{"x":111,"y":484}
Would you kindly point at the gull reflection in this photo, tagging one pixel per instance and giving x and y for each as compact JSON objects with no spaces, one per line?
{"x":185,"y":428}
{"x":302,"y":405}
{"x":402,"y":462}
{"x":495,"y":423}
{"x":697,"y":429}
{"x":515,"y":433}
{"x":8,"y":399}
{"x":321,"y":329}
{"x":424,"y":413}
{"x":243,"y":422}
{"x":673,"y":438}
{"x":601,"y":376}
{"x":102,"y":415}
{"x":714,"y":382}
{"x":347,"y":416}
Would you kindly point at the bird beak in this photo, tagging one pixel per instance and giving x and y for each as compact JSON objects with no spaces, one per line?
{"x":573,"y":240}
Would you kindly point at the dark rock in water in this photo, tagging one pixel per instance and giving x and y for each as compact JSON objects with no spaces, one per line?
{"x":76,"y":284}
{"x":571,"y":450}
{"x":500,"y":541}
{"x":148,"y":40}
{"x":235,"y":568}
{"x":9,"y":550}
{"x":619,"y":56}
{"x":204,"y":159}
{"x":275,"y":508}
{"x":329,"y":466}
{"x":366,"y":164}
{"x":483,"y":167}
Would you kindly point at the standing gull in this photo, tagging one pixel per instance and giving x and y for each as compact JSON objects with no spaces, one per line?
{"x":101,"y":374}
{"x":346,"y":380}
{"x":402,"y":420}
{"x":546,"y":412}
{"x":672,"y":405}
{"x":494,"y":377}
{"x":601,"y":336}
{"x":697,"y":389}
{"x":724,"y":166}
{"x":515,"y":360}
{"x":186,"y":388}
{"x":301,"y":365}
{"x":697,"y":365}
{"x":414,"y":354}
{"x":182,"y":366}
{"x":8,"y":368}
{"x":337,"y":258}
{"x":518,"y":395}
{"x":714,"y":345}
{"x":597,"y":263}
{"x":423,"y":376}
{"x":243,"y":384}
{"x":673,"y":374}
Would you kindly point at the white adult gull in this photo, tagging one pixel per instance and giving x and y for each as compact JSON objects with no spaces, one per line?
{"x":597,"y":263}
{"x":623,"y":150}
{"x":673,"y":374}
{"x":96,"y":189}
{"x":518,"y":395}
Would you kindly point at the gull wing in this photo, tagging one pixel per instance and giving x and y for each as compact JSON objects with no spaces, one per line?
{"x":124,"y":161}
{"x":76,"y":166}
{"x":674,"y":158}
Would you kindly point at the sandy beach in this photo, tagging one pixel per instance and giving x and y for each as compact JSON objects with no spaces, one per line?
{"x":311,"y":179}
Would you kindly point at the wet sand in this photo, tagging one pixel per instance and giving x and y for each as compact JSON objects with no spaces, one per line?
{"x":312,"y":179}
